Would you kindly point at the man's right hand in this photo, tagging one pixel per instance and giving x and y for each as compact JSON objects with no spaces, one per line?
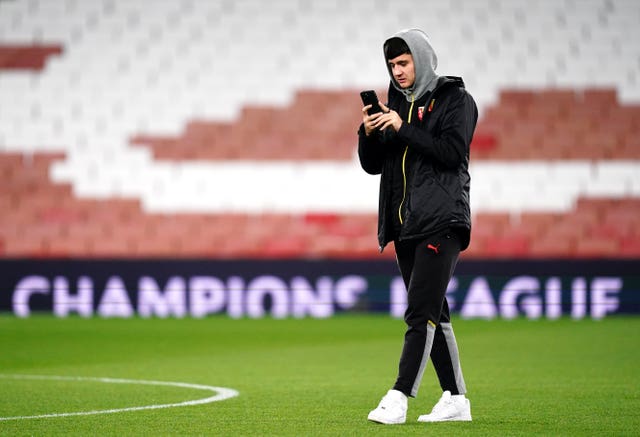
{"x":369,"y":121}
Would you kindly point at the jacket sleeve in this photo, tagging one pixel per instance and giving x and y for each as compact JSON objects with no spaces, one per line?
{"x":370,"y":151}
{"x":449,"y":146}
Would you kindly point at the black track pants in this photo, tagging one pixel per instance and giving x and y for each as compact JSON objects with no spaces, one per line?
{"x":426,"y":267}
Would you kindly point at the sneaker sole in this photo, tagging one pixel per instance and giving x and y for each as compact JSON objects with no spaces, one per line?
{"x":451,"y":419}
{"x":373,"y":418}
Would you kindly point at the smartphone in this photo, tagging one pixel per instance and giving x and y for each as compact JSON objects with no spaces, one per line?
{"x":369,"y":97}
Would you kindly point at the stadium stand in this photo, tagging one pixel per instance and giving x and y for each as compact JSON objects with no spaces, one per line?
{"x":227,"y":129}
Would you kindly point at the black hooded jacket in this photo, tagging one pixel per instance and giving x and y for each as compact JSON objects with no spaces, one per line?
{"x":424,"y":167}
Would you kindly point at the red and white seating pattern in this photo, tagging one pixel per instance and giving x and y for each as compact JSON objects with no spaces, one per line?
{"x":227,"y":129}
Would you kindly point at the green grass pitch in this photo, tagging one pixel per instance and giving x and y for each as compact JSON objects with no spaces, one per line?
{"x":314,"y":377}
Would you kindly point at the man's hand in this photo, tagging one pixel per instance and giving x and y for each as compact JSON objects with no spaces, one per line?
{"x":380,"y":120}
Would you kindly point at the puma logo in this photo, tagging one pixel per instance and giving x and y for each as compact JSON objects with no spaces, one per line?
{"x":435,"y":248}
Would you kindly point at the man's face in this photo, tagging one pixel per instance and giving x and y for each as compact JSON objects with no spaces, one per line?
{"x":403,"y":70}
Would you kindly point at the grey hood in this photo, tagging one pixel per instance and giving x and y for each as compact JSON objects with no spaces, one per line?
{"x":424,"y":60}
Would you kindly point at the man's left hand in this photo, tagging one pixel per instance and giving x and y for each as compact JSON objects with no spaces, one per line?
{"x":388,"y":118}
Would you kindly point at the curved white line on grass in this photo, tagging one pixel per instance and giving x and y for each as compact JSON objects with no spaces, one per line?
{"x":222,"y":394}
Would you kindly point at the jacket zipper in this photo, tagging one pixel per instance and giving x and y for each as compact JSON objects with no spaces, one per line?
{"x":404,"y":158}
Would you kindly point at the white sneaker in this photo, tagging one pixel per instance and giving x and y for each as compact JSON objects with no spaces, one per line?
{"x":392,"y":409}
{"x":449,"y":408}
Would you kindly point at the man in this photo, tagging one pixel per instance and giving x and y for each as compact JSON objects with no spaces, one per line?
{"x":419,"y":144}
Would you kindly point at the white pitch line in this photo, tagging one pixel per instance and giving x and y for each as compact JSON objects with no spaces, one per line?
{"x":222,"y":394}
